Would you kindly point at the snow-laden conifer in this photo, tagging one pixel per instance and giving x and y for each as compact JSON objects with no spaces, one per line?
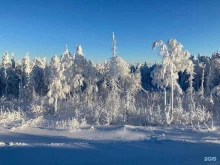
{"x":6,"y":63}
{"x":58,"y":89}
{"x":25,"y":90}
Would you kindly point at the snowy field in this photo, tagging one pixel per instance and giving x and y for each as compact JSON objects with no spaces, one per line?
{"x":39,"y":143}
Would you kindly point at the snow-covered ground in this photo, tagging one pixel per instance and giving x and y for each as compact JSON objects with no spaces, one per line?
{"x":38,"y":143}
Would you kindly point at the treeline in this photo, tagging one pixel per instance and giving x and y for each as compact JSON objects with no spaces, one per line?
{"x":184,"y":89}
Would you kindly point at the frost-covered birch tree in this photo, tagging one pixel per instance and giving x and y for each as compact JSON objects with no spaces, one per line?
{"x":201,"y":90}
{"x":174,"y":60}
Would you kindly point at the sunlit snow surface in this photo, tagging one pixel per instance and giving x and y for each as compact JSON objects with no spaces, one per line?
{"x":106,"y":145}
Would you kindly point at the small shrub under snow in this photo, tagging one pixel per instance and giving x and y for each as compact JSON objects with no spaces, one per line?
{"x":8,"y":116}
{"x":70,"y":124}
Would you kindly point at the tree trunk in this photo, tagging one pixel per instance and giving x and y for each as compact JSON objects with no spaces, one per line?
{"x":6,"y":87}
{"x":171,"y":102}
{"x":55,"y":105}
{"x":6,"y":84}
{"x":165,"y":98}
{"x":202,"y":86}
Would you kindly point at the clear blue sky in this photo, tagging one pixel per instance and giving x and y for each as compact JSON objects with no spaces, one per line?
{"x":43,"y":27}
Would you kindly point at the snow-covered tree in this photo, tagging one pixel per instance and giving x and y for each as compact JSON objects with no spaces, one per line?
{"x":119,"y":82}
{"x":8,"y":78}
{"x":38,"y":76}
{"x":13,"y":61}
{"x":190,"y":71}
{"x":80,"y":61}
{"x":215,"y":72}
{"x":25,"y":91}
{"x":68,"y":66}
{"x":201,"y":90}
{"x":160,"y":78}
{"x":66,"y":56}
{"x":114,"y":48}
{"x":174,"y":60}
{"x":58,"y":89}
{"x":76,"y":71}
{"x":118,"y":68}
{"x":91,"y":82}
{"x":6,"y":63}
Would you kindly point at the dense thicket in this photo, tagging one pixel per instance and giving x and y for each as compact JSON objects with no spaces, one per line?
{"x":183,"y":89}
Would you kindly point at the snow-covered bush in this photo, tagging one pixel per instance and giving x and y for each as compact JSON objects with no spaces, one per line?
{"x":38,"y":105}
{"x":201,"y":115}
{"x":73,"y":124}
{"x":33,"y":122}
{"x":70,"y":124}
{"x":12,"y":116}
